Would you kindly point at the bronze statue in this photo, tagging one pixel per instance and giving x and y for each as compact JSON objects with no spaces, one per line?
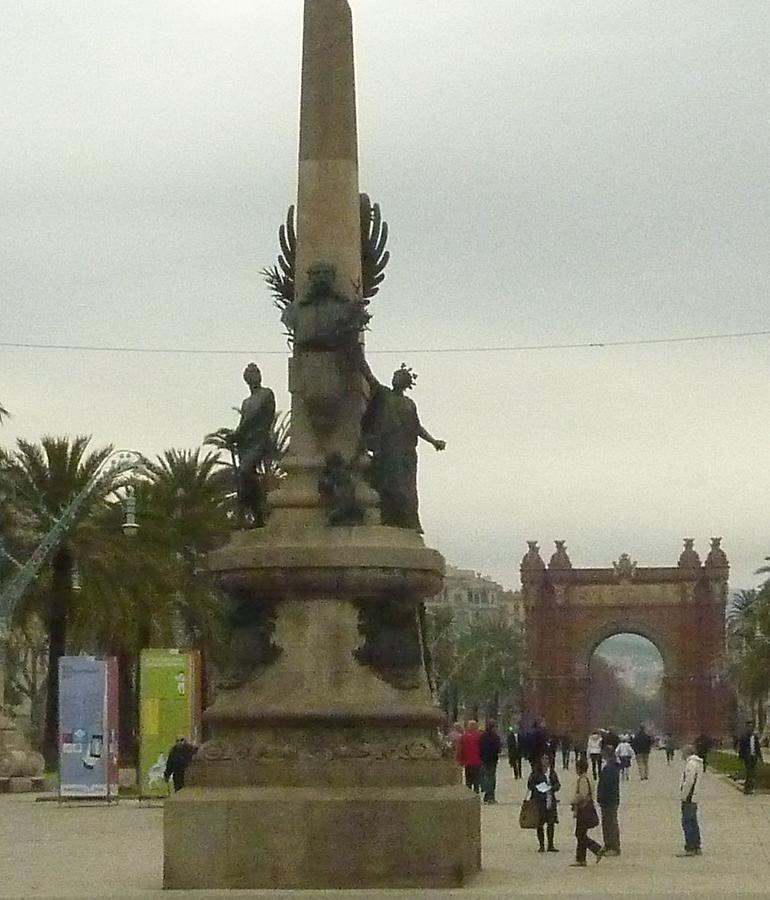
{"x":390,"y":431}
{"x":252,"y":440}
{"x":338,"y":490}
{"x":323,"y":318}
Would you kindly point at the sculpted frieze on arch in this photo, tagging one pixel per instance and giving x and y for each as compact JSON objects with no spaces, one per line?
{"x":628,"y":594}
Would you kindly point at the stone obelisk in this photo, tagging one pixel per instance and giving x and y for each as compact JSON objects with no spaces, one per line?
{"x":323,"y":767}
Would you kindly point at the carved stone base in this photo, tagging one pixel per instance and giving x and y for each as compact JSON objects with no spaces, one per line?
{"x":220,"y":838}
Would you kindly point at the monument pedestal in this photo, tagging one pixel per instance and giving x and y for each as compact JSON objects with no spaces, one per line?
{"x":321,"y":837}
{"x":21,"y":768}
{"x":324,"y":767}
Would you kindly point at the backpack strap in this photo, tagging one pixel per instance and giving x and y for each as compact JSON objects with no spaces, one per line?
{"x":692,"y":789}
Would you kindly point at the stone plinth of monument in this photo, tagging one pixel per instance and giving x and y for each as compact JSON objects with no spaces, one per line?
{"x":324,"y":766}
{"x":21,"y":768}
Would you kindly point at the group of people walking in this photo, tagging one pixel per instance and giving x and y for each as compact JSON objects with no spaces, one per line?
{"x":596,"y":797}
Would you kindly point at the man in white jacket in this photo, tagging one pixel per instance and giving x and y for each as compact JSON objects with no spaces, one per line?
{"x":692,"y":777}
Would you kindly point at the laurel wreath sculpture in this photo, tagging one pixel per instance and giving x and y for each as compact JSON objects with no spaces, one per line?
{"x":281,"y":278}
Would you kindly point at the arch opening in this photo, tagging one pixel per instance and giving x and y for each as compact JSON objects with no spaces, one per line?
{"x":626,"y":673}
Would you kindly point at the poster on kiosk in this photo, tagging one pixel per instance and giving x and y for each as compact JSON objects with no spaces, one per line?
{"x":88,"y":727}
{"x":170,"y":708}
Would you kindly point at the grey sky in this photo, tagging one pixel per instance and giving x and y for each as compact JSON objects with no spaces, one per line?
{"x":552,"y":172}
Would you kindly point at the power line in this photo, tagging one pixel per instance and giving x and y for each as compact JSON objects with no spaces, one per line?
{"x":520,"y":348}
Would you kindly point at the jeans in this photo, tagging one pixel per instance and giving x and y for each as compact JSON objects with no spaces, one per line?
{"x":584,"y":843}
{"x":488,"y":781}
{"x":690,"y":826}
{"x":610,"y":828}
{"x":596,"y":764}
{"x":472,"y":775}
{"x":643,"y":761}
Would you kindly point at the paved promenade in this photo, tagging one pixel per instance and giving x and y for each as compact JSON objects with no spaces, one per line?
{"x":52,"y":851}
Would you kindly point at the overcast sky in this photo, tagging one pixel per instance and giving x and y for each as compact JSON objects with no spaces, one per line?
{"x":552,"y":172}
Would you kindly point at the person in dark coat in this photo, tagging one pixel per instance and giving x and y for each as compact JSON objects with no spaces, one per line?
{"x":642,"y":744}
{"x":489,"y":752}
{"x":537,"y":742}
{"x":608,"y":798}
{"x":751,"y":753}
{"x":515,"y":752}
{"x":179,"y":758}
{"x":543,"y":785}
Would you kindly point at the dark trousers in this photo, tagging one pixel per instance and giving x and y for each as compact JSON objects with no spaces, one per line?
{"x":584,"y":843}
{"x":596,"y":764}
{"x":472,"y":778}
{"x":670,"y":756}
{"x":542,"y":832}
{"x":690,"y":826}
{"x":610,"y":828}
{"x":751,"y":770}
{"x":516,"y":766}
{"x":565,"y":759}
{"x":488,"y":781}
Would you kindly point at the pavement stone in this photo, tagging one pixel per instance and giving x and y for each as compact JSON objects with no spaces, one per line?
{"x":48,"y":850}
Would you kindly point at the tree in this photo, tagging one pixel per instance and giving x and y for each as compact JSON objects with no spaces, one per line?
{"x":45,"y":477}
{"x":748,"y":645}
{"x":480,"y":668}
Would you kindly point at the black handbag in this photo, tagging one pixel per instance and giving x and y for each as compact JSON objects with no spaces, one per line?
{"x":529,"y":815}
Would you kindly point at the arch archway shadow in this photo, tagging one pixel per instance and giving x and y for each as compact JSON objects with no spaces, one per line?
{"x":680,"y":609}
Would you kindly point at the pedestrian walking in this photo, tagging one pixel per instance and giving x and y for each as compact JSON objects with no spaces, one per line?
{"x":514,"y":742}
{"x":608,"y":797}
{"x":537,"y":742}
{"x":565,"y":742}
{"x":625,"y":756}
{"x":642,"y":744}
{"x":669,"y":744}
{"x":543,"y":785}
{"x":179,"y":758}
{"x":586,"y":816}
{"x":489,"y":754}
{"x":469,"y":756}
{"x":688,"y":795}
{"x":594,"y":751}
{"x":750,"y":753}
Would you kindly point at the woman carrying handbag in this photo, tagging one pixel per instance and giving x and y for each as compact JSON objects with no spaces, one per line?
{"x":586,"y":816}
{"x":543,"y":785}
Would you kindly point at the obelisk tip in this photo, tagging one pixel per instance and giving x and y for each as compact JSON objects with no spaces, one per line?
{"x":328,"y":113}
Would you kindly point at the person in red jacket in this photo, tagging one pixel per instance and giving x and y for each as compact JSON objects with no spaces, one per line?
{"x":469,"y":755}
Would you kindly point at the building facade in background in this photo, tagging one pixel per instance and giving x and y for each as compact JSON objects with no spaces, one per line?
{"x":472,"y":598}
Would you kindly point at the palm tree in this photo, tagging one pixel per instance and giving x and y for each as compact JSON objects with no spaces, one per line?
{"x":185,"y":499}
{"x":45,"y":477}
{"x":748,"y":635}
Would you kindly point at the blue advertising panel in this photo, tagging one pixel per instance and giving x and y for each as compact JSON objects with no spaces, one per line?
{"x":86,"y":738}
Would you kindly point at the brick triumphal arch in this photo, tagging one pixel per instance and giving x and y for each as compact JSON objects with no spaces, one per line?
{"x":680,"y":609}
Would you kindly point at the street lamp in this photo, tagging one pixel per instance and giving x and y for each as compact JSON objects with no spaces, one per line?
{"x":130,"y":525}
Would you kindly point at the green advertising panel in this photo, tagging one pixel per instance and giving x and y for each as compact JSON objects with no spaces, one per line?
{"x":169,"y":707}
